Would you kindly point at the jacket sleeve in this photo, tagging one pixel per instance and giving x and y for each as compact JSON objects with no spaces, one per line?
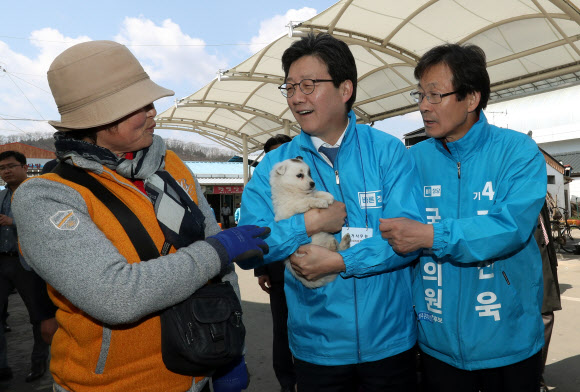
{"x":286,"y":235}
{"x":402,"y":198}
{"x":510,"y":222}
{"x":86,"y":268}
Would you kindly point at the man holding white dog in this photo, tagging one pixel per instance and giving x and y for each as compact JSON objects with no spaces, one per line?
{"x":358,"y":331}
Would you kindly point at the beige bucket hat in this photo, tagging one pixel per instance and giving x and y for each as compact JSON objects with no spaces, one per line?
{"x":97,"y":83}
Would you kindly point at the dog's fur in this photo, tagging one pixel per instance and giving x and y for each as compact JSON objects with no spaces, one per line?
{"x":294,"y":192}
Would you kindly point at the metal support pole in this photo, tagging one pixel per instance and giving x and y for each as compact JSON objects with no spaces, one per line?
{"x":245,"y":157}
{"x":287,"y":127}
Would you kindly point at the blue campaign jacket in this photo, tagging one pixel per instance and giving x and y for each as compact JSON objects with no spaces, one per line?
{"x":366,"y":314}
{"x":478,"y":292}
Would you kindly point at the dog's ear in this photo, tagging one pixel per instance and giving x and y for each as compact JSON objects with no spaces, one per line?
{"x":281,"y":168}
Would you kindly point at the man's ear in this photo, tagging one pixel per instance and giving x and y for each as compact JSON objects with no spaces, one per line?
{"x":473,"y":99}
{"x":346,"y":89}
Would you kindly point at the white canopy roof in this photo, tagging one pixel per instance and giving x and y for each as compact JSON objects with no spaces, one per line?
{"x":531,"y":45}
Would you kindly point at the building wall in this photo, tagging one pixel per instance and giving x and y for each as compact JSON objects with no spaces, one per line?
{"x":559,"y":189}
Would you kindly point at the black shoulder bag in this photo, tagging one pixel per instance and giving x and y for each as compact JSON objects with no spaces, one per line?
{"x":199,"y":335}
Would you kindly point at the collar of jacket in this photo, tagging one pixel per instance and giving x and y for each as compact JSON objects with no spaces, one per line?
{"x":306,"y":142}
{"x":469,"y":144}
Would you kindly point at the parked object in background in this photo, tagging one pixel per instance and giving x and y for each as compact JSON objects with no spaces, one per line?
{"x":574,"y":222}
{"x":562,"y":232}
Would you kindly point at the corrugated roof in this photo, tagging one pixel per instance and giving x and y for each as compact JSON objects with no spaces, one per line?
{"x":209,"y":169}
{"x":214,"y":172}
{"x":569,"y":158}
{"x":28,"y":151}
{"x":220,"y":181}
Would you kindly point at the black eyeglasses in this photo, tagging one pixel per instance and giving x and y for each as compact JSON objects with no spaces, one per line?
{"x":431,"y":97}
{"x":306,"y":86}
{"x":9,"y":167}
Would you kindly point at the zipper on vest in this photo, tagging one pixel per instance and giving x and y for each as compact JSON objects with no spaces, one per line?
{"x":458,"y":169}
{"x":337,"y":177}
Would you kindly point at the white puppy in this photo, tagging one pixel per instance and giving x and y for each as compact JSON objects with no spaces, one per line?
{"x":294,"y":192}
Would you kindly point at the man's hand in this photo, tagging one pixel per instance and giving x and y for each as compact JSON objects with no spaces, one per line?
{"x":5,"y":220}
{"x":264,"y":282}
{"x":313,"y":261}
{"x":328,"y":220}
{"x":406,"y":235}
{"x":48,"y":329}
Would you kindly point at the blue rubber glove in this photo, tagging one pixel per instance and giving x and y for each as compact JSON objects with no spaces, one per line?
{"x":241,"y":245}
{"x":232,"y":378}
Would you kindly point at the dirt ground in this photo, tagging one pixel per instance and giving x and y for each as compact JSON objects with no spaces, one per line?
{"x":562,"y":369}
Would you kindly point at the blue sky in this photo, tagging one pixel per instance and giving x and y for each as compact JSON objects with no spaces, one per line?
{"x":181,"y":44}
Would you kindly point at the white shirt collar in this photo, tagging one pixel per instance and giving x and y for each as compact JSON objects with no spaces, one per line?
{"x":317,"y":142}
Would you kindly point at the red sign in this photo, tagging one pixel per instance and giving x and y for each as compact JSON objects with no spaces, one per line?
{"x":227,"y":189}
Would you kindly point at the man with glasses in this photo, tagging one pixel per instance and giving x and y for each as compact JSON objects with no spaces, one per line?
{"x":478,"y":286}
{"x":32,"y":289}
{"x":357,"y":332}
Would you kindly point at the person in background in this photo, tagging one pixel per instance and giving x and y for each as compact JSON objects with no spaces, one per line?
{"x":359,"y":330}
{"x":480,"y":275}
{"x":48,"y":166}
{"x":551,"y":300}
{"x":4,"y":316}
{"x":226,"y":212}
{"x":276,"y":141}
{"x":237,"y":214}
{"x":108,"y":299}
{"x":14,"y":272}
{"x":271,"y":280}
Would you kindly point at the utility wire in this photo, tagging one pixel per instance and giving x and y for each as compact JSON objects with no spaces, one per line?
{"x":162,"y":45}
{"x":25,"y":81}
{"x":22,"y":119}
{"x":22,"y":92}
{"x":27,"y":74}
{"x":2,"y":118}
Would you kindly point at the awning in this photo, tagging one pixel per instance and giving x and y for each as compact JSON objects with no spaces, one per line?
{"x":531,"y":46}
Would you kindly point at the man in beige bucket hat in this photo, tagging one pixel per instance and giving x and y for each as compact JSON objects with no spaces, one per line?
{"x":108,"y":299}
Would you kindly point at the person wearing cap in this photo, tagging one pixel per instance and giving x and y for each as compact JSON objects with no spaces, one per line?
{"x":108,"y":300}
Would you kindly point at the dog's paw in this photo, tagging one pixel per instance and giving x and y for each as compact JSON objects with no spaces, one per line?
{"x":344,"y":242}
{"x":319,"y":203}
{"x":324,"y":196}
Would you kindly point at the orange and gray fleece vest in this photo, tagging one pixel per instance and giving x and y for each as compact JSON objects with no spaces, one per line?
{"x":88,"y":356}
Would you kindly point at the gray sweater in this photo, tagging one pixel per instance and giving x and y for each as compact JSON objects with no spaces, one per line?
{"x":85,"y":267}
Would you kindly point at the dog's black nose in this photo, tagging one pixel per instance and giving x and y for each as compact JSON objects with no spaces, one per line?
{"x":311,"y":184}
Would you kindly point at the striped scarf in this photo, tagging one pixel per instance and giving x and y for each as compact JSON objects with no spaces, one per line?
{"x":180,"y":219}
